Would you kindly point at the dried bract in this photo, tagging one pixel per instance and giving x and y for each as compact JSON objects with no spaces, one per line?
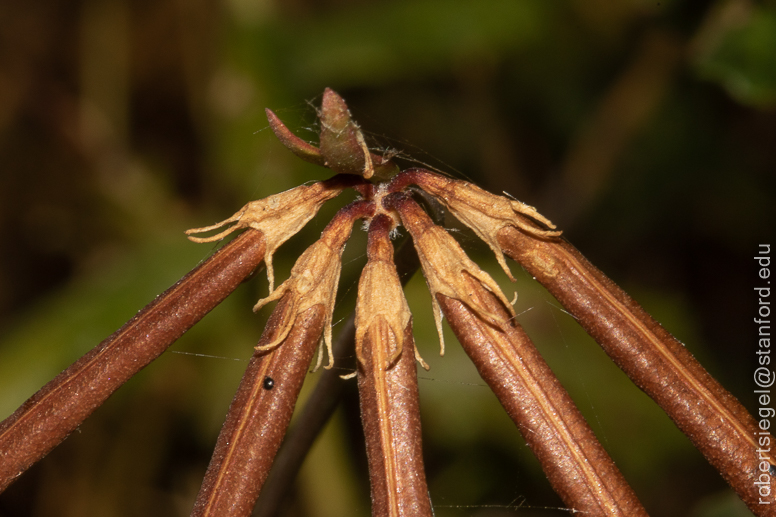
{"x":342,"y":148}
{"x":445,"y":265}
{"x":381,"y":299}
{"x":278,"y":217}
{"x":315,"y":275}
{"x":483,"y":212}
{"x":342,"y":142}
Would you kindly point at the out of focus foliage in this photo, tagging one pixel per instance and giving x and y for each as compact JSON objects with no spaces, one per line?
{"x":740,"y":53}
{"x":645,"y":129}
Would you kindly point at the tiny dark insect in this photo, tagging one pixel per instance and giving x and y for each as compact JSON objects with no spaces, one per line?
{"x":772,"y":470}
{"x":269,"y":383}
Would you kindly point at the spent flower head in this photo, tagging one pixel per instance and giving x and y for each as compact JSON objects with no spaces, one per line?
{"x":381,"y":301}
{"x":445,"y":265}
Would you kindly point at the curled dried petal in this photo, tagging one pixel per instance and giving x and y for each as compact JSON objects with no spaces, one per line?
{"x":279,"y":217}
{"x":315,"y":275}
{"x":485,"y":213}
{"x":445,"y":265}
{"x":381,"y":300}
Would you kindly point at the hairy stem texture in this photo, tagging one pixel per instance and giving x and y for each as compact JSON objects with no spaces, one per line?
{"x":578,"y":467}
{"x":390,"y":414}
{"x":717,"y":424}
{"x":55,"y":411}
{"x":320,"y":405}
{"x":259,"y":415}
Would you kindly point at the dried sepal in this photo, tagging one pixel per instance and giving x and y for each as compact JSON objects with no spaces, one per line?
{"x":381,"y":302}
{"x":279,"y":217}
{"x":445,"y":265}
{"x":485,"y":213}
{"x":315,"y":275}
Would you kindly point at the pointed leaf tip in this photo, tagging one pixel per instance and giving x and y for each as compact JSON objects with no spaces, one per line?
{"x":335,"y":114}
{"x":299,"y":147}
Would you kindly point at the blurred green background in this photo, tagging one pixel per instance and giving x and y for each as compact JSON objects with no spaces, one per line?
{"x":645,"y":129}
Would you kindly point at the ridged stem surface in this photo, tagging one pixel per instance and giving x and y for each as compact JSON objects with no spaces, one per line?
{"x":58,"y":408}
{"x":259,"y":416}
{"x":576,"y":464}
{"x":717,"y":424}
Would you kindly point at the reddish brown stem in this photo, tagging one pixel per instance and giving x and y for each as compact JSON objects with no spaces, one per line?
{"x":259,"y":415}
{"x":47,"y":417}
{"x":318,"y":408}
{"x":320,"y":405}
{"x":712,"y":418}
{"x":390,"y":414}
{"x":388,"y":387}
{"x":576,"y":464}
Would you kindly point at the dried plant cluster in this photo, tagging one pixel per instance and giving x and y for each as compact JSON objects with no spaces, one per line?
{"x":576,"y":464}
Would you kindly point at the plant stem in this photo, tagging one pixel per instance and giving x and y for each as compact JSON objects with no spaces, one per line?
{"x":317,"y":410}
{"x":387,"y":385}
{"x":259,"y":415}
{"x":717,"y":424}
{"x":576,"y":464}
{"x":321,"y":403}
{"x":58,"y":408}
{"x":578,"y":468}
{"x":390,"y":413}
{"x":249,"y":438}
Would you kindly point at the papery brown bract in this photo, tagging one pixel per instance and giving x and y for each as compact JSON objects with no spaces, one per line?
{"x":444,"y":262}
{"x":380,"y":294}
{"x":342,"y":142}
{"x":485,"y":213}
{"x":279,"y":217}
{"x":315,"y":275}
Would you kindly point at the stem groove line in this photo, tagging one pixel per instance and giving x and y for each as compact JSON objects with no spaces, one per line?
{"x":545,"y":414}
{"x":714,"y":420}
{"x":58,"y":408}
